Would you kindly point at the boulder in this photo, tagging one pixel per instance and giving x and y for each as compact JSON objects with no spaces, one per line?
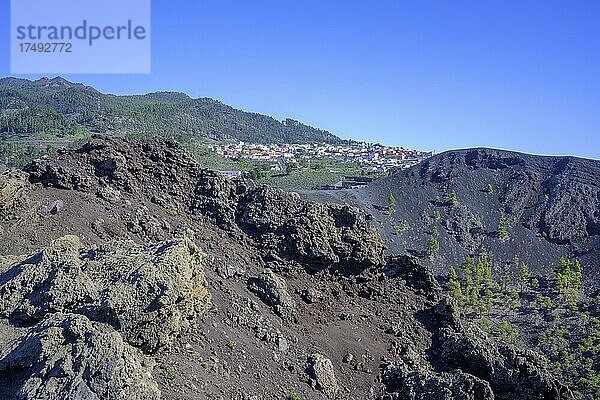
{"x":148,"y":293}
{"x":273,"y":291}
{"x":322,"y":375}
{"x":67,"y":356}
{"x":12,"y":188}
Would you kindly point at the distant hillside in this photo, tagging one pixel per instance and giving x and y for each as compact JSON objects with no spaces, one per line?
{"x":57,"y":107}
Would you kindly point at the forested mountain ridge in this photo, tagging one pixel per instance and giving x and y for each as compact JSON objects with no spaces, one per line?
{"x":59,"y":108}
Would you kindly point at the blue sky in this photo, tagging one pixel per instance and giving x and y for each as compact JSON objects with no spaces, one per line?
{"x":432,"y":75}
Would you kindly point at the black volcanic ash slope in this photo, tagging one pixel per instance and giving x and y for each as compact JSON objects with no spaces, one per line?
{"x":552,"y":208}
{"x":495,"y":226}
{"x":245,"y":293}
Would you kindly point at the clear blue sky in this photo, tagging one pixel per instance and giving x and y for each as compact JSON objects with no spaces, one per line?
{"x":429,"y":75}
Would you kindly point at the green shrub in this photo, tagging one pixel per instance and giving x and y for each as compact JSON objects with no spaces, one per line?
{"x":453,"y":199}
{"x":169,"y":373}
{"x":433,"y":246}
{"x":293,"y":395}
{"x":502,"y":225}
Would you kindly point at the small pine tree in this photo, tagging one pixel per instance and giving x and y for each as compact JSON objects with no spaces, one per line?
{"x":506,"y":331}
{"x":489,"y":188}
{"x":453,"y":286}
{"x":479,"y":286}
{"x":433,"y":246}
{"x":544,"y":302}
{"x":568,"y":276}
{"x":453,"y":199}
{"x":502,"y":225}
{"x":391,"y":203}
{"x":523,"y":276}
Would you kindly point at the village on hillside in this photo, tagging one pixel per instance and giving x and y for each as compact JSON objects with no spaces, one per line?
{"x":372,"y":158}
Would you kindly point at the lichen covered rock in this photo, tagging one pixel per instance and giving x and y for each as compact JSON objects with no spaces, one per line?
{"x":67,"y":356}
{"x":147,"y":293}
{"x":272,"y":290}
{"x":320,"y":370}
{"x":12,"y":188}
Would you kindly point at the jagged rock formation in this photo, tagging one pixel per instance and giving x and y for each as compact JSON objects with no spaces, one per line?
{"x":88,"y":313}
{"x":303,"y":298}
{"x":12,"y":187}
{"x":67,"y":356}
{"x":318,"y":234}
{"x":272,"y":290}
{"x":163,"y":172}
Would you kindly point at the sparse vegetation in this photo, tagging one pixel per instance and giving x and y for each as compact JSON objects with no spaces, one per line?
{"x":399,"y":226}
{"x":507,"y":331}
{"x":453,"y":199}
{"x":544,"y":302}
{"x":232,"y":345}
{"x":433,"y":247}
{"x":523,"y":276}
{"x":502,"y":225}
{"x":572,"y":339}
{"x":170,"y":373}
{"x":489,"y":188}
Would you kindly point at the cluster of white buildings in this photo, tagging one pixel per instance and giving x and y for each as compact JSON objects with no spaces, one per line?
{"x":374,"y":158}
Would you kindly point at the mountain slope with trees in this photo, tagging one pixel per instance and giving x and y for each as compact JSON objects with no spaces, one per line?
{"x":58,"y":108}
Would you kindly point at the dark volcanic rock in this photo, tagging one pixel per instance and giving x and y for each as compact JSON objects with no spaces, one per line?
{"x":511,"y":373}
{"x":417,"y":276}
{"x":464,"y":363}
{"x":67,"y":356}
{"x":404,"y":383}
{"x":319,"y":234}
